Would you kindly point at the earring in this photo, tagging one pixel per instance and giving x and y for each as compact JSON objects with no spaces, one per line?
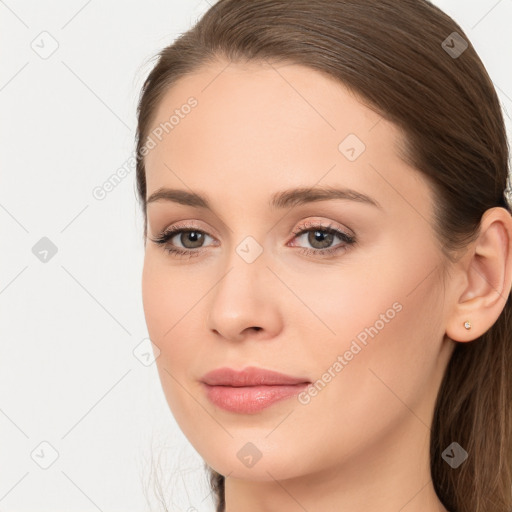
{"x":467,"y":325}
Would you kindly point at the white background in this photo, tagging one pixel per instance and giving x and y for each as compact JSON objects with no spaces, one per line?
{"x":69,"y":326}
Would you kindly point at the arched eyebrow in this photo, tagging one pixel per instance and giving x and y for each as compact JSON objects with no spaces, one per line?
{"x":298,"y":196}
{"x":279,"y":200}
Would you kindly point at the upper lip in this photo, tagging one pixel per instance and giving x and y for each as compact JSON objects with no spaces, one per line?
{"x":250,"y":376}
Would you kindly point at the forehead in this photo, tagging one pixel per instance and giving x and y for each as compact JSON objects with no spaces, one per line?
{"x":284,"y":107}
{"x":256,"y":126}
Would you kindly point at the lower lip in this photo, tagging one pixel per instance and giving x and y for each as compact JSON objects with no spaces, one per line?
{"x":250,"y":399}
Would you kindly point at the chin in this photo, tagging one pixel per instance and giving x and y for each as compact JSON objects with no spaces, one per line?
{"x":247,"y":462}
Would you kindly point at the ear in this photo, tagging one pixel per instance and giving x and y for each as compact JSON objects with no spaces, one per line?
{"x":486,"y":278}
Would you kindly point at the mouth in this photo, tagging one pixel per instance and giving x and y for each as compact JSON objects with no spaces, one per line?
{"x":250,"y":390}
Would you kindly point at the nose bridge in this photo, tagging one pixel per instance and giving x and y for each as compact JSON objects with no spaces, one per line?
{"x":243,"y":294}
{"x":245,"y":268}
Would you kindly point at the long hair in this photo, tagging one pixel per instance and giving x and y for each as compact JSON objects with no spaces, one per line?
{"x":404,"y":61}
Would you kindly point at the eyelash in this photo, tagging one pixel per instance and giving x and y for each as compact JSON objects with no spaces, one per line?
{"x":163,"y":238}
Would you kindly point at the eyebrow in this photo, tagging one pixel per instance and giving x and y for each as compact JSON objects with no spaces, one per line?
{"x":279,"y":200}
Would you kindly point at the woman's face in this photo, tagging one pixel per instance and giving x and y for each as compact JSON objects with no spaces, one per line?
{"x":358,"y":312}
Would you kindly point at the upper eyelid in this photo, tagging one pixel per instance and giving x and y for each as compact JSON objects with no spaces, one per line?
{"x":319,"y":224}
{"x":184,"y":226}
{"x":324,"y":224}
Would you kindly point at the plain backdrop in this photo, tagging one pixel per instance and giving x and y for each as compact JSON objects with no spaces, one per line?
{"x":84,"y":425}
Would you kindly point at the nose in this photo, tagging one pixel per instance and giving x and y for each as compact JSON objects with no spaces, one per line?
{"x":245,"y":301}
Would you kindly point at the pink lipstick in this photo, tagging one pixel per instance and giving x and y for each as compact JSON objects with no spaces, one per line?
{"x":250,"y":390}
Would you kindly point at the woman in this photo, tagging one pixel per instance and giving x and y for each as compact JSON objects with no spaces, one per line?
{"x":328,"y":256}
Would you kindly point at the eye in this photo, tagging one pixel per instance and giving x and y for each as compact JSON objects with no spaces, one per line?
{"x":190,"y":237}
{"x":192,"y":240}
{"x":321,"y":238}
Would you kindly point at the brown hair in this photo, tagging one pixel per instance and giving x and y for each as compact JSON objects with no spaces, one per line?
{"x":392,"y":55}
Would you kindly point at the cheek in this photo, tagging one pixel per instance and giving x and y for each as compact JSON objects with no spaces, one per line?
{"x":379,"y":383}
{"x":174,"y":308}
{"x":384,"y":355}
{"x":380,"y":329}
{"x":166,"y":295}
{"x":155,"y":299}
{"x":167,"y":302}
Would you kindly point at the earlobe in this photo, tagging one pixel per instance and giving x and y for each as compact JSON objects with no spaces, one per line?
{"x":487,"y":269}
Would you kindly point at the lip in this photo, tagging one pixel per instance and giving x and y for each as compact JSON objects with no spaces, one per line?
{"x":250,"y":390}
{"x":250,"y":376}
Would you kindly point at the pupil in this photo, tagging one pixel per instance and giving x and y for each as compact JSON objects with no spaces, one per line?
{"x":191,"y":237}
{"x":320,"y":237}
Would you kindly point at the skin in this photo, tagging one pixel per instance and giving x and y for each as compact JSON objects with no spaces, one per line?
{"x":362,"y":443}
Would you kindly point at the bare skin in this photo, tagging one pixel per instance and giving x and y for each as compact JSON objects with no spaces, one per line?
{"x":362,"y":442}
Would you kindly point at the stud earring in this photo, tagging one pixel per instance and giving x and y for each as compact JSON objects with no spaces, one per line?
{"x":467,"y":325}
